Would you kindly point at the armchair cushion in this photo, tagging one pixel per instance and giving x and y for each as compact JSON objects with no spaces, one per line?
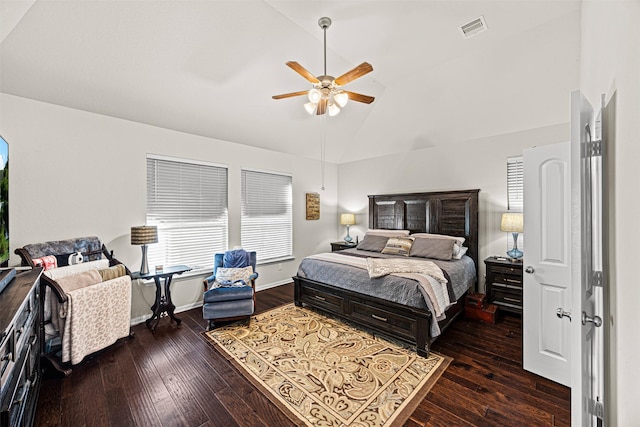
{"x":228,"y":294}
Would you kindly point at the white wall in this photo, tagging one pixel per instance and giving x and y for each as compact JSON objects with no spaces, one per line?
{"x":75,"y":173}
{"x":611,"y":66}
{"x":475,"y":164}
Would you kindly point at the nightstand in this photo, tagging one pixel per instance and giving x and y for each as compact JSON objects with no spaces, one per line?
{"x":504,"y":284}
{"x":338,"y":246}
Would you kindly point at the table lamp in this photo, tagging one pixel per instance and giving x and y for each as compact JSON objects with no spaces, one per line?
{"x":144,"y":235}
{"x":513,"y":222}
{"x":347,"y":219}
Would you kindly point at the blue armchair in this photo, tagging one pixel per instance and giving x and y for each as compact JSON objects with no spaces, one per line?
{"x":229,"y":294}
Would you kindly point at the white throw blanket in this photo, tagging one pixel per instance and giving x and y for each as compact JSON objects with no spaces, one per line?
{"x":434,"y":289}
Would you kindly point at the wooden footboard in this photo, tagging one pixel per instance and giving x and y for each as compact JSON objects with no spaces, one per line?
{"x":408,"y":324}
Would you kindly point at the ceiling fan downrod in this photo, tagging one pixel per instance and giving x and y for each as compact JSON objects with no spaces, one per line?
{"x":325,"y":23}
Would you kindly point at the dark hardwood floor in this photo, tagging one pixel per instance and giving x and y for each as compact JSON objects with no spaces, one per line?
{"x":174,"y":378}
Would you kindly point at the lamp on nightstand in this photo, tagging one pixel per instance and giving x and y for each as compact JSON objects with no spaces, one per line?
{"x":347,"y":219}
{"x":144,"y":235}
{"x":513,"y":222}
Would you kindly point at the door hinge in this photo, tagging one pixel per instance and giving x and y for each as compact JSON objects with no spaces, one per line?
{"x":594,"y":148}
{"x":597,"y":278}
{"x":598,"y":408}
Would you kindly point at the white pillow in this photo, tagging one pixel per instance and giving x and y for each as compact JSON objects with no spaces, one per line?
{"x":388,"y":233}
{"x":463,"y":250}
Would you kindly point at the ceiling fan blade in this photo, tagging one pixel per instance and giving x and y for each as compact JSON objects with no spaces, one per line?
{"x":289,"y":95}
{"x":357,"y":72}
{"x":322,"y":107}
{"x":359,"y":97}
{"x":302,"y":71}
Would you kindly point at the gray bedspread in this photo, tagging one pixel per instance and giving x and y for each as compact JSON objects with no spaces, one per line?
{"x":392,"y":288}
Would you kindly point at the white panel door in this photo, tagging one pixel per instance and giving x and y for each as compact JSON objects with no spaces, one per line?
{"x":547,"y":262}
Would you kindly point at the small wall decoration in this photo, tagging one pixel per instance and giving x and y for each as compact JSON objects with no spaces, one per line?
{"x":313,"y":206}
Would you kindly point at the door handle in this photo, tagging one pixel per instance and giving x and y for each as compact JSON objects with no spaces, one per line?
{"x":596,"y":320}
{"x":529,"y":269}
{"x":561,"y":313}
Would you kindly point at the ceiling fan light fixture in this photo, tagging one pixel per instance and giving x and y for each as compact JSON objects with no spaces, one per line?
{"x":341,"y":99}
{"x":327,"y":94}
{"x":315,"y":95}
{"x":311,"y":107}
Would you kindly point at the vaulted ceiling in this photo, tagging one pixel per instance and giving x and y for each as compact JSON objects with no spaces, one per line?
{"x":210,"y":67}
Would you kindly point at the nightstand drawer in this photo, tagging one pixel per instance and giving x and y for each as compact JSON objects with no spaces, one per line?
{"x":505,"y":298}
{"x":507,"y":281}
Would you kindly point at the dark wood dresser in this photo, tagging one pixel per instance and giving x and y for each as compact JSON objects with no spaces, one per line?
{"x":504,"y":284}
{"x":20,"y":349}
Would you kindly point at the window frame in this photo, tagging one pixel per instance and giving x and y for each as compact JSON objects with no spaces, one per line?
{"x":179,"y":230}
{"x":287,"y":252}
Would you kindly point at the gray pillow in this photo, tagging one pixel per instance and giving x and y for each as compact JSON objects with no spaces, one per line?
{"x":425,"y":247}
{"x":373,"y":243}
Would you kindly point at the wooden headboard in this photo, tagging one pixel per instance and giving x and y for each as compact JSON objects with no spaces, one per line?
{"x":454,"y":213}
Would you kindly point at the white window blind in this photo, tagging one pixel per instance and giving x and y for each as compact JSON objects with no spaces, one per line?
{"x":515,"y":184}
{"x":187,"y":201}
{"x":267,"y":215}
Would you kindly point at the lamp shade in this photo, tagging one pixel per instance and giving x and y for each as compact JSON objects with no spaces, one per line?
{"x":347,"y":219}
{"x":512,"y":222}
{"x":144,"y":235}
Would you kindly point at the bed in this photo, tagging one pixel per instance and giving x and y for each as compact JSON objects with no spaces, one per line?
{"x":334,"y":284}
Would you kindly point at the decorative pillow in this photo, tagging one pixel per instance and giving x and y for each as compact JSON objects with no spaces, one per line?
{"x":112,"y":272}
{"x":398,"y":246}
{"x":460,"y":254}
{"x":388,"y":233}
{"x":233,"y":274}
{"x":426,"y":247}
{"x":373,"y":243}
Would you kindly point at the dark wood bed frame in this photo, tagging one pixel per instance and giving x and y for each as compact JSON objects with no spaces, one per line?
{"x":454,"y":213}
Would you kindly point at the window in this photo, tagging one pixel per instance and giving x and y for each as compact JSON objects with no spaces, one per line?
{"x":515,"y":193}
{"x":267,"y":218}
{"x":515,"y":183}
{"x":187,"y":201}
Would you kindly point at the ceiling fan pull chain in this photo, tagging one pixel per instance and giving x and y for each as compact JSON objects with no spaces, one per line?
{"x":323,"y":149}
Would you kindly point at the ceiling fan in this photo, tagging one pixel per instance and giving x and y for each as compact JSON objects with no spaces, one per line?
{"x":327,"y":94}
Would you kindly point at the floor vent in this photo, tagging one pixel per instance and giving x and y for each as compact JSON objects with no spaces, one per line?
{"x":474,"y":27}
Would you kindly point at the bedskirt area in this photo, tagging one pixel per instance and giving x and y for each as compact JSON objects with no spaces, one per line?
{"x":395,"y":289}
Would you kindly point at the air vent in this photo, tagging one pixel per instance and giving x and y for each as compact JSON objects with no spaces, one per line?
{"x":474,"y":27}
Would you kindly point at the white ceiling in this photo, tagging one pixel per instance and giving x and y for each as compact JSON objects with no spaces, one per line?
{"x":210,"y":67}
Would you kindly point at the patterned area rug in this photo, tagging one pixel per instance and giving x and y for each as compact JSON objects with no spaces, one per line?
{"x":326,"y":372}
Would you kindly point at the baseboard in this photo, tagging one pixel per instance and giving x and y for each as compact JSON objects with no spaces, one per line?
{"x":261,"y":287}
{"x":264,"y":287}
